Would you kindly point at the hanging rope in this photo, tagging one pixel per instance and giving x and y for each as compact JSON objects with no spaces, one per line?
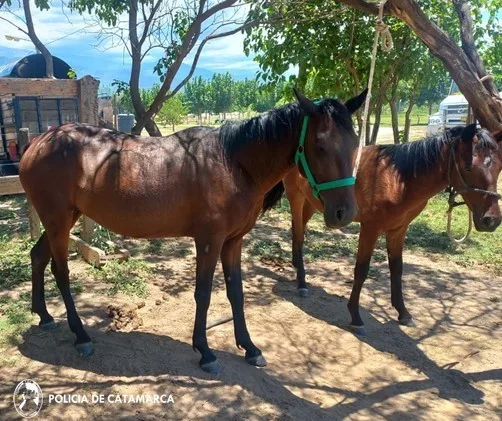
{"x":381,"y":30}
{"x":451,"y":205}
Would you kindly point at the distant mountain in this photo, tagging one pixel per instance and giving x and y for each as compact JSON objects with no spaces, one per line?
{"x":108,"y":68}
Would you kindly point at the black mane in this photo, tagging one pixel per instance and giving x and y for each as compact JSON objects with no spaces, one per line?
{"x":415,"y":158}
{"x":274,"y":124}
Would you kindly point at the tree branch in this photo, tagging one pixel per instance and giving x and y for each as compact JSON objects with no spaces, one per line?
{"x":49,"y":65}
{"x":463,"y":10}
{"x":14,"y":25}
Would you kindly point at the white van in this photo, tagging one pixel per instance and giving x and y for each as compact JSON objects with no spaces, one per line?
{"x":452,"y":112}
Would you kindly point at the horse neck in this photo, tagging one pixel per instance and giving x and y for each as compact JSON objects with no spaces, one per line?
{"x":430,"y":183}
{"x":268,"y":162}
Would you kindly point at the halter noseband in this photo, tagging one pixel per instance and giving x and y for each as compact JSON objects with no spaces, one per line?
{"x":301,"y":158}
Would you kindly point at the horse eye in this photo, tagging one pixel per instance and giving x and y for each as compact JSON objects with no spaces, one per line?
{"x":321,"y":147}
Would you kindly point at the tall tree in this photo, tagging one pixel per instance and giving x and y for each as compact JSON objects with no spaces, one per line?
{"x":221,"y":88}
{"x":197,"y":94}
{"x":174,"y":27}
{"x":173,"y":111}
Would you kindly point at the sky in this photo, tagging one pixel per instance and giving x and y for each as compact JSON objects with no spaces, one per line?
{"x":72,"y":38}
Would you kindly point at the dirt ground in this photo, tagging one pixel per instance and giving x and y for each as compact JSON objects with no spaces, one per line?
{"x":447,"y":367}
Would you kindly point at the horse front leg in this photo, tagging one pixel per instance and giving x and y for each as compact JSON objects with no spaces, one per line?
{"x":367,"y":241}
{"x":231,"y":261}
{"x":207,"y":257}
{"x":395,"y":244}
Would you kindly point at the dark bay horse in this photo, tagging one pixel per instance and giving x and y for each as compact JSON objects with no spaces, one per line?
{"x":394,"y":184}
{"x":206,"y":183}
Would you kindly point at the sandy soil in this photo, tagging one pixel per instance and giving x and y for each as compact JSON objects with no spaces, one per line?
{"x":447,"y":367}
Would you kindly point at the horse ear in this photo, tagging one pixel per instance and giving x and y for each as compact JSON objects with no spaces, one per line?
{"x":307,"y":105}
{"x":355,"y":103}
{"x":469,"y":132}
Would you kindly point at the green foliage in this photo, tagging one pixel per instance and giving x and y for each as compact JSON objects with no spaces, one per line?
{"x":197,"y":95}
{"x":221,"y":92}
{"x":129,"y":277}
{"x":15,"y":264}
{"x":267,"y":248}
{"x":124,"y":102}
{"x":107,"y":10}
{"x":331,"y":45}
{"x":72,"y":74}
{"x":15,"y":319}
{"x":103,"y":238}
{"x":173,"y":110}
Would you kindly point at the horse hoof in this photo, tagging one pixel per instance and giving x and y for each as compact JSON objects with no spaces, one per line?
{"x":86,"y":349}
{"x":214,"y":367}
{"x":48,"y":326}
{"x":407,"y":322}
{"x":303,"y":292}
{"x":257,"y":361}
{"x":358,"y":330}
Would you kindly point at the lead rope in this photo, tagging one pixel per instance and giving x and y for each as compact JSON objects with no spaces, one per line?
{"x":452,"y":204}
{"x":381,"y":29}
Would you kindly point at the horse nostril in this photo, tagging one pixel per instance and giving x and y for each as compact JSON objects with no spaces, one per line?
{"x":489,"y":221}
{"x":340,"y":213}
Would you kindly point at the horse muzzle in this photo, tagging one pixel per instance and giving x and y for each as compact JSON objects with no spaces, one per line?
{"x":339,"y":216}
{"x":487,"y":223}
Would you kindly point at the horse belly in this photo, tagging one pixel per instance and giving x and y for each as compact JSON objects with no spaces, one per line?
{"x":138,"y":215}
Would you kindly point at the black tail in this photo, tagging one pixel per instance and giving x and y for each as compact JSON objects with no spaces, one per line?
{"x":273,"y":197}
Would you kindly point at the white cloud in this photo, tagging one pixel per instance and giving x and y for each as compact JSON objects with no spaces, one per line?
{"x":70,"y":33}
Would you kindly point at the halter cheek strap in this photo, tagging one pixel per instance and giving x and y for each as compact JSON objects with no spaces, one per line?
{"x":300,"y":158}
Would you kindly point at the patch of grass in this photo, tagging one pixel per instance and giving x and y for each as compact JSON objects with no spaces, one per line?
{"x":7,"y":213}
{"x":15,"y":264}
{"x":326,"y":245}
{"x":15,"y":319}
{"x":129,"y":277}
{"x":428,"y":233}
{"x":176,"y":248}
{"x":267,"y":248}
{"x":155,"y":246}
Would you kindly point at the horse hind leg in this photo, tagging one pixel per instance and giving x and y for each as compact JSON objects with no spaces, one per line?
{"x":301,"y":212}
{"x":207,"y":257}
{"x":40,"y":256}
{"x":58,"y":232}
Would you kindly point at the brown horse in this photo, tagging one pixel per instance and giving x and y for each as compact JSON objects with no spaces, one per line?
{"x":394,"y":184}
{"x":202,"y":182}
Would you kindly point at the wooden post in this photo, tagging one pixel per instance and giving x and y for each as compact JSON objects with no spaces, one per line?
{"x":115,"y":111}
{"x":34,"y":221}
{"x":88,"y":110}
{"x":87,"y":229}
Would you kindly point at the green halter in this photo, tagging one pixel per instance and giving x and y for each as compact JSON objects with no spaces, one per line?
{"x":300,"y":157}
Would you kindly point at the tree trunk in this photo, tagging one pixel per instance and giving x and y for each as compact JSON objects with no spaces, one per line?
{"x":174,"y":129}
{"x":482,"y":96}
{"x":376,"y":125}
{"x":394,"y":118}
{"x":49,"y":65}
{"x":407,"y":118}
{"x":430,"y":108}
